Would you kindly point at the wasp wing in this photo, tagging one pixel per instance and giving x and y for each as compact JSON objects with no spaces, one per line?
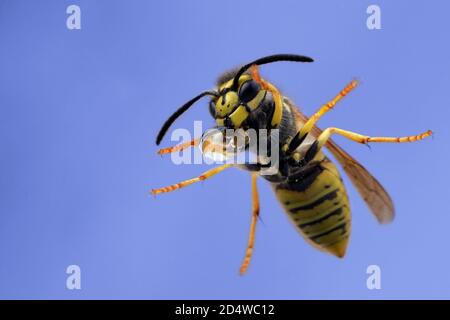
{"x":373,"y":193}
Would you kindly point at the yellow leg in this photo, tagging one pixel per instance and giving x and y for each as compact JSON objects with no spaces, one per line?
{"x":185,"y":183}
{"x":325,"y":135}
{"x":251,"y":236}
{"x":327,"y":107}
{"x":299,"y":137}
{"x":180,"y":146}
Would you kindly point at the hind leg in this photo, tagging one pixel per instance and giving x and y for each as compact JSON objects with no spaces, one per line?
{"x":254,"y":220}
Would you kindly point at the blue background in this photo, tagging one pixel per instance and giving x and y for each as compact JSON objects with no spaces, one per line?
{"x":80,"y":110}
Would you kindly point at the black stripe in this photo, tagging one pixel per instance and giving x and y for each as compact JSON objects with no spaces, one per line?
{"x":303,"y":179}
{"x":338,"y":211}
{"x":341,"y":226}
{"x":312,"y":152}
{"x":334,"y":242}
{"x":329,"y":196}
{"x":295,"y":142}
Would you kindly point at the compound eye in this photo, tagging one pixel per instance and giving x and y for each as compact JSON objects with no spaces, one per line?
{"x":212,"y":108}
{"x":248,"y":91}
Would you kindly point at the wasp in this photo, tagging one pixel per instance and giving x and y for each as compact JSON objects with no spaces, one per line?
{"x":306,"y":183}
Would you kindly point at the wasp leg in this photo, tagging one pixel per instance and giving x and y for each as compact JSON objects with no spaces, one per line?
{"x":326,"y":134}
{"x":203,"y":176}
{"x":180,"y":146}
{"x":251,"y":236}
{"x":301,"y":135}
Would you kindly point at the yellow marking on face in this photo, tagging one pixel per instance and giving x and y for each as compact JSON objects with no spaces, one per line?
{"x":238,"y":116}
{"x":237,"y":113}
{"x":254,"y":103}
{"x":224,"y":106}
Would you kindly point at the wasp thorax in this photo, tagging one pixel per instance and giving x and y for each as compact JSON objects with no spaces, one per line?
{"x":226,"y":103}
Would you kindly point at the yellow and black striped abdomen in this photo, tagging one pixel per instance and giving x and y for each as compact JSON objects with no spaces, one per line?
{"x":318,"y":205}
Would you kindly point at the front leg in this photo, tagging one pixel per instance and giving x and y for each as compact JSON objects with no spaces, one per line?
{"x":203,"y":176}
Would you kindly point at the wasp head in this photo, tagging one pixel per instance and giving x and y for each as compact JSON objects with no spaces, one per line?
{"x":241,"y":102}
